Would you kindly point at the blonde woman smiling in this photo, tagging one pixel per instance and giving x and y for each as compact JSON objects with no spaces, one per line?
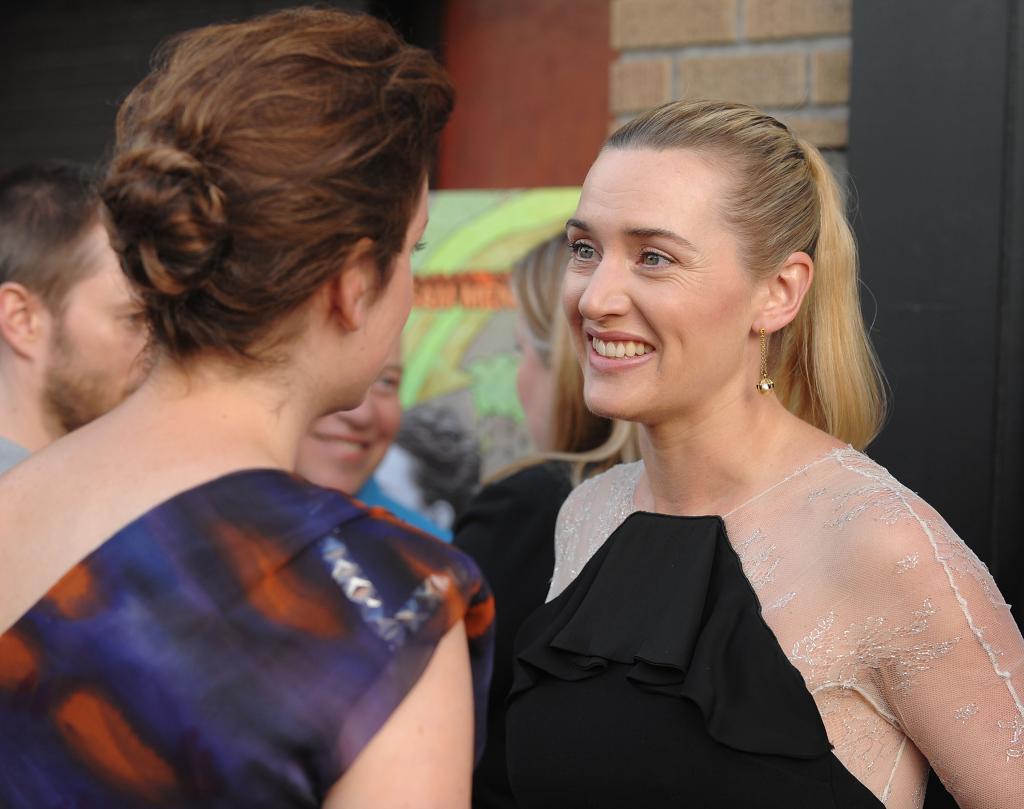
{"x":755,"y":614}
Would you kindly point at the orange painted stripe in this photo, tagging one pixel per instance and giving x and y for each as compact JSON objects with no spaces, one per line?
{"x":18,"y":661}
{"x":471,"y":290}
{"x":99,"y":733}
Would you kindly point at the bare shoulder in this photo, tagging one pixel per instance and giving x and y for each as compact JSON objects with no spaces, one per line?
{"x":33,"y":492}
{"x":40,"y":531}
{"x":63,"y":502}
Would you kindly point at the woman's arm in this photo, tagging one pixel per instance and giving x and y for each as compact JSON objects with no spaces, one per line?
{"x":951,"y":663}
{"x":423,"y":755}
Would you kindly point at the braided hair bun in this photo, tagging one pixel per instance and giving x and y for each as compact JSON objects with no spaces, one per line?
{"x":169,"y":218}
{"x":255,"y":157}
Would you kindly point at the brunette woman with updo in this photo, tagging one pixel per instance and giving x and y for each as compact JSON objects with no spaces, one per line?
{"x":755,"y":613}
{"x":183,"y":622}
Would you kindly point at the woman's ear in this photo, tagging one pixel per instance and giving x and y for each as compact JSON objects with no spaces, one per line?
{"x":351,"y":292}
{"x":785,"y":292}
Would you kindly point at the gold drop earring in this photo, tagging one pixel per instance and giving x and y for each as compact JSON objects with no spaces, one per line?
{"x":767,"y":384}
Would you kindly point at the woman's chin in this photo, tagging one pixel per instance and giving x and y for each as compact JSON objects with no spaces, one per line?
{"x":610,"y":406}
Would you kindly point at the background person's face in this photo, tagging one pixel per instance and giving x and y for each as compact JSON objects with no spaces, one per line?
{"x":342,"y":449}
{"x":96,"y":350}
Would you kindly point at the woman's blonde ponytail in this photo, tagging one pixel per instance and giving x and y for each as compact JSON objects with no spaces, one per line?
{"x":827,"y":370}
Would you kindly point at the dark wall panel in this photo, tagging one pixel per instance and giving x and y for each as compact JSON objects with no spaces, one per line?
{"x":65,"y":66}
{"x":937,"y":160}
{"x":927,"y":157}
{"x":1008,"y":498}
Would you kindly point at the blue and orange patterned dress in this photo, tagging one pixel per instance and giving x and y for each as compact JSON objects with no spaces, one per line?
{"x":237,"y":645}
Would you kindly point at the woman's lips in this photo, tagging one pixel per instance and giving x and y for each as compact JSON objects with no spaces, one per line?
{"x":349,"y":443}
{"x":620,"y":349}
{"x":618,"y":355}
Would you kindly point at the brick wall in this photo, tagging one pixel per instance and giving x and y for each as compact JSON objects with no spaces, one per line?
{"x":788,"y":57}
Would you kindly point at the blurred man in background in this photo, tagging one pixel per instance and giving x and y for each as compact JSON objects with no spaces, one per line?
{"x":71,"y":334}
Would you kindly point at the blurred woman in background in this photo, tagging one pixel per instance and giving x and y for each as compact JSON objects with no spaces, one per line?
{"x":509,"y":527}
{"x":184,"y":622}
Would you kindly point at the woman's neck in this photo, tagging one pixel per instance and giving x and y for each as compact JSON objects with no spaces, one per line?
{"x":254,"y":419}
{"x":713,"y":461}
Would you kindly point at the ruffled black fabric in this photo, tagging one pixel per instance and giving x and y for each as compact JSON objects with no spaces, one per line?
{"x":665,"y":601}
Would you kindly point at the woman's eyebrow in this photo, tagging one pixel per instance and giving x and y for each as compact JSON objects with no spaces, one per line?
{"x":662,"y":233}
{"x":643,"y":233}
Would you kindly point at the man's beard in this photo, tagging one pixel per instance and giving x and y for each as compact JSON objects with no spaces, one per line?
{"x":74,"y":395}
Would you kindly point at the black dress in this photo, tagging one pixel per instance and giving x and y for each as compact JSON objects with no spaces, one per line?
{"x":653,"y":681}
{"x":509,"y":531}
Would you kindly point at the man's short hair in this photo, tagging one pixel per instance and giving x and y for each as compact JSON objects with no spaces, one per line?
{"x":45,"y":211}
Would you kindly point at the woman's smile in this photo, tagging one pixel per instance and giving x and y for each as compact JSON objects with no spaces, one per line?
{"x":612,"y":351}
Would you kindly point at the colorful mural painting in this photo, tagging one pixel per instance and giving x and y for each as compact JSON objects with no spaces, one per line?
{"x":458,"y":346}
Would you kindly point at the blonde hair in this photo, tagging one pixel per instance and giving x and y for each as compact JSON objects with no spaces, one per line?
{"x":588,"y":443}
{"x":784,"y":199}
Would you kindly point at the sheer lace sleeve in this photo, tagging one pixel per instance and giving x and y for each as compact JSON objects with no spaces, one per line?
{"x":947,"y":658}
{"x":588,"y":517}
{"x":901,"y":636}
{"x":913,"y":653}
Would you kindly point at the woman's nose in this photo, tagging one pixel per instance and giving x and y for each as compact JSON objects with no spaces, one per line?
{"x":605,"y":294}
{"x":359,"y":417}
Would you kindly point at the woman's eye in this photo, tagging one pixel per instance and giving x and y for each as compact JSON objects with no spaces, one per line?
{"x":652,"y":259}
{"x":387,"y":384}
{"x":582,"y":251}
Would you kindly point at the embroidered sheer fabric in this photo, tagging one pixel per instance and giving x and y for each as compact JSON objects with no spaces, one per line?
{"x":901,"y":636}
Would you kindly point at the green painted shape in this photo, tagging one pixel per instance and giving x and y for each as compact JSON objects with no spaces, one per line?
{"x":524,"y":210}
{"x":449,"y":212}
{"x":474,"y":230}
{"x":509,"y":248}
{"x":423,"y":359}
{"x":416,"y":328}
{"x":446,"y":375}
{"x":440,"y":374}
{"x":494,"y":386}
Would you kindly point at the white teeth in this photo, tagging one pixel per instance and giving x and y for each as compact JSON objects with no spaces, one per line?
{"x":628,"y":348}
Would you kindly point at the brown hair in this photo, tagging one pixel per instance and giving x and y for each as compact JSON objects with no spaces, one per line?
{"x":46,"y":211}
{"x":253,"y":159}
{"x":783,"y":199}
{"x":588,"y":442}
